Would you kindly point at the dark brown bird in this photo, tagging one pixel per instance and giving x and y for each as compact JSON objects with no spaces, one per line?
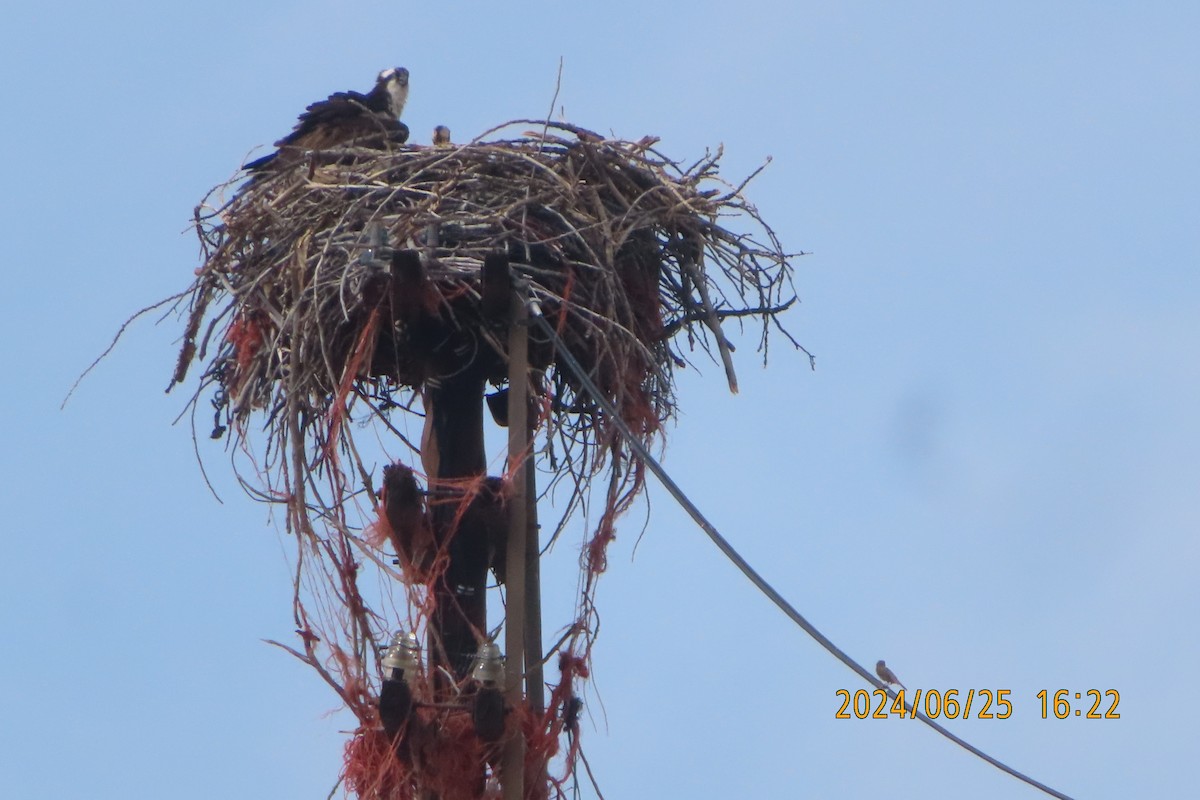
{"x":345,"y":118}
{"x":441,"y":136}
{"x":409,"y":528}
{"x":886,"y":675}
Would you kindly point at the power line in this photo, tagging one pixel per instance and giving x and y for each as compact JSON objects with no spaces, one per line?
{"x":725,"y":547}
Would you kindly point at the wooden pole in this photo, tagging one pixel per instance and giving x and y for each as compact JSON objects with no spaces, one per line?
{"x":455,"y":420}
{"x":513,"y":774}
{"x":535,"y":683}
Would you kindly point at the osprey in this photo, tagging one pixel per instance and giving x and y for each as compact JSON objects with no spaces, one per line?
{"x":345,"y":118}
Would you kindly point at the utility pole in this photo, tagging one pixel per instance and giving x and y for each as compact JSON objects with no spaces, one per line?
{"x":535,"y":683}
{"x":512,"y":774}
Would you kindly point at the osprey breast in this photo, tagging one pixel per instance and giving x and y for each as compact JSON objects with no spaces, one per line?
{"x":395,"y":81}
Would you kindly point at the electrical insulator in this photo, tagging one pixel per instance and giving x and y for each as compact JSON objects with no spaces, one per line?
{"x":488,"y":713}
{"x":400,"y":663}
{"x":488,"y":666}
{"x":402,"y":657}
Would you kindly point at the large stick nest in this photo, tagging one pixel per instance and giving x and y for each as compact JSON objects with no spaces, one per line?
{"x":342,"y":285}
{"x":623,"y":248}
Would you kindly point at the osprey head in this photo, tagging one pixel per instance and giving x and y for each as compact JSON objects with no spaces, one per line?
{"x":393,"y":84}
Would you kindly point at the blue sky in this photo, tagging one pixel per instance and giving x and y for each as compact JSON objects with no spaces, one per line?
{"x":990,"y":479}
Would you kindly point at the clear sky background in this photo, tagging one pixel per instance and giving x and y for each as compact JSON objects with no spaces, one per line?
{"x":990,"y":479}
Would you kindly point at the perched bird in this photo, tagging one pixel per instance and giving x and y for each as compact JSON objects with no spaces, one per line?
{"x":345,"y":118}
{"x":886,"y":675}
{"x":408,"y":524}
{"x":441,"y":136}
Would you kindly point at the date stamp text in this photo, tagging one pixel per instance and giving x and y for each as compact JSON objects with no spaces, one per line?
{"x":974,"y":703}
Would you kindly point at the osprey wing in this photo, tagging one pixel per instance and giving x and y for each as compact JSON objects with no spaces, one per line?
{"x":341,"y":118}
{"x":338,"y":110}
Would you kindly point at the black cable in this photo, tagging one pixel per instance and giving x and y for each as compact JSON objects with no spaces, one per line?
{"x":725,"y":547}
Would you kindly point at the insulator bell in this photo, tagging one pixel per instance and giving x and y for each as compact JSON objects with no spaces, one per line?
{"x":402,"y":657}
{"x":488,"y":666}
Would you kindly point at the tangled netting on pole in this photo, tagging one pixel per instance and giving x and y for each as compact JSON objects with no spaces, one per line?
{"x":338,"y":296}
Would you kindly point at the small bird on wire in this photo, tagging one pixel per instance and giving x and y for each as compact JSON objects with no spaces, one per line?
{"x":886,"y":675}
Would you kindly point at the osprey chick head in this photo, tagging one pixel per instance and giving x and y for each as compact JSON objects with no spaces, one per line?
{"x":393,"y":84}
